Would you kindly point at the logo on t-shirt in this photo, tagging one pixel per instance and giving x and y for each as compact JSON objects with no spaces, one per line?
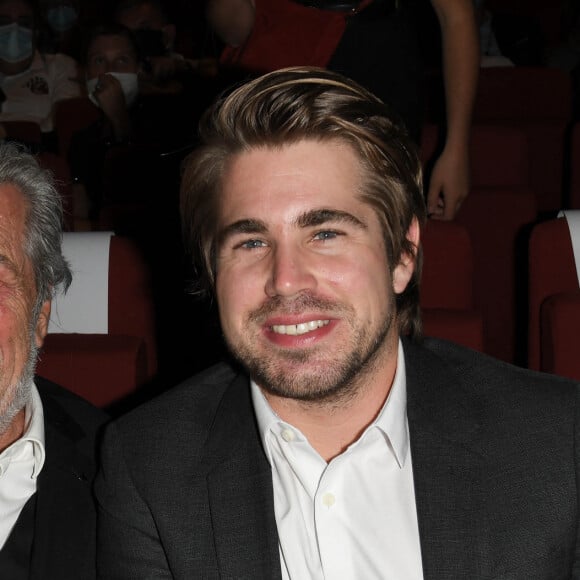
{"x":38,"y":85}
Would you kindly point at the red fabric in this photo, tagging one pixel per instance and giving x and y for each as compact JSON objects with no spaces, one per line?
{"x":447,"y":277}
{"x":574,"y":201}
{"x":537,"y":100}
{"x":551,"y":271}
{"x":463,"y":327}
{"x":102,"y":368}
{"x":560,"y":331}
{"x":447,"y":302}
{"x":287,"y":34}
{"x":496,"y":220}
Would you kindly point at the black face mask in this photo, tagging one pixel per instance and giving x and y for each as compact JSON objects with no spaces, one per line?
{"x":150,"y":43}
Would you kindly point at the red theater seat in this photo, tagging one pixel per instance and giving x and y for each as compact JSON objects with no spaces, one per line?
{"x":552,"y":271}
{"x":537,"y":100}
{"x":574,"y":193}
{"x":106,"y":366}
{"x":560,"y":335}
{"x":499,"y":155}
{"x":447,"y":285}
{"x":498,"y":221}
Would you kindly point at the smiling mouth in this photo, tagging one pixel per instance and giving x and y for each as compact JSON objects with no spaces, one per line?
{"x":297,"y":329}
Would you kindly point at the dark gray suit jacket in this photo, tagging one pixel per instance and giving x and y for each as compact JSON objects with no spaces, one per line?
{"x":64,"y":532}
{"x":185,"y":489}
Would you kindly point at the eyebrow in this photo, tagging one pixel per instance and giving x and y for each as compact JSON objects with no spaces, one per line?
{"x":316,"y":217}
{"x":245,"y":226}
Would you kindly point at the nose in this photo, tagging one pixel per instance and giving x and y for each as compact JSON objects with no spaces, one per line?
{"x":290,"y":273}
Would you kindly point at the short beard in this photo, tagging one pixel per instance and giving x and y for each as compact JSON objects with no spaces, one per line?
{"x":337,"y":385}
{"x":20,"y":393}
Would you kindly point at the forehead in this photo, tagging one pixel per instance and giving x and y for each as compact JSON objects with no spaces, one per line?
{"x":280,"y":183}
{"x":111,"y":44}
{"x":13,"y":210}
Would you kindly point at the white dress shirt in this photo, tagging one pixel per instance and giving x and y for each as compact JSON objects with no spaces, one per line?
{"x":355,"y":517}
{"x":20,"y":466}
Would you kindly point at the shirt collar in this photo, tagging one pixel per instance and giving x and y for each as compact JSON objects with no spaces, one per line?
{"x":34,"y":430}
{"x":392,"y":419}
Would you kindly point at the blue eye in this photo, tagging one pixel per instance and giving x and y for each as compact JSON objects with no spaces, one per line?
{"x":252,"y":244}
{"x":326,"y":235}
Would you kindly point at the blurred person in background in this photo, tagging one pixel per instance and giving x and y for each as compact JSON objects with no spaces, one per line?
{"x":31,"y":81}
{"x":376,"y":43}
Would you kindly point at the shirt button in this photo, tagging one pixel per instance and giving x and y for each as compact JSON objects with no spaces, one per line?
{"x":288,"y":435}
{"x":328,"y":499}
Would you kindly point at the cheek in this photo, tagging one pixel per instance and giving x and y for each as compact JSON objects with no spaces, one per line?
{"x":237,"y":294}
{"x":357,"y":274}
{"x":14,"y":339}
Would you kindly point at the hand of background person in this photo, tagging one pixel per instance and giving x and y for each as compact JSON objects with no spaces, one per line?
{"x":449,"y":184}
{"x":111,"y":99}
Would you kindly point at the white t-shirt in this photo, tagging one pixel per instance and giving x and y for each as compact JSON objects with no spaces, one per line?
{"x":31,"y":95}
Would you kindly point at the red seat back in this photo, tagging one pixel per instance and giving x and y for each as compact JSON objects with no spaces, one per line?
{"x":105,"y":367}
{"x":552,"y":271}
{"x":537,"y":100}
{"x":498,"y":221}
{"x":560,"y":335}
{"x":447,"y":285}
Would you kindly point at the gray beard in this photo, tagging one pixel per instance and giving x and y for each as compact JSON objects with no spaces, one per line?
{"x":21,"y":391}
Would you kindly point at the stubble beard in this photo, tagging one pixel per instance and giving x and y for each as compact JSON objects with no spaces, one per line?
{"x":19,"y":393}
{"x":339,"y":375}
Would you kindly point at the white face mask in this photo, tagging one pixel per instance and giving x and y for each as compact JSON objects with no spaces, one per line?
{"x":129,"y":84}
{"x":15,"y":43}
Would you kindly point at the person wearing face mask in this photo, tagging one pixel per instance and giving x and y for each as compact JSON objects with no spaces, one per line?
{"x":132,"y":130}
{"x":31,"y":80}
{"x":63,"y":27}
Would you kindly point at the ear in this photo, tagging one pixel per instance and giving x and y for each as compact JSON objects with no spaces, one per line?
{"x":404,"y":270}
{"x":42,"y":323}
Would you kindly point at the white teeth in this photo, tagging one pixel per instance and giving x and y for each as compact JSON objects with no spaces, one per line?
{"x":302,"y":328}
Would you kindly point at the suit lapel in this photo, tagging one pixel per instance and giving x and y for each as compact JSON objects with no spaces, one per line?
{"x":240,"y":492}
{"x":447,"y":468}
{"x":63,"y":492}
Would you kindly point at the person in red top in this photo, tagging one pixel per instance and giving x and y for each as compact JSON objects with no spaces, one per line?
{"x":374,"y":42}
{"x":270,"y":34}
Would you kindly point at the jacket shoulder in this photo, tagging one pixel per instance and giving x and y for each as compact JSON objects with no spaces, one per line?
{"x":192,"y":403}
{"x":63,"y":407}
